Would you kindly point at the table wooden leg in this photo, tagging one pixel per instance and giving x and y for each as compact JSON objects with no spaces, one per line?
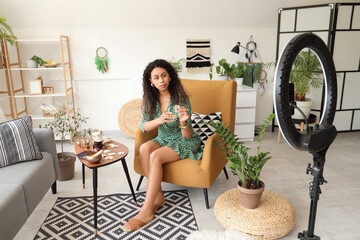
{"x":302,"y":127}
{"x":95,"y":180}
{"x":123,"y":161}
{"x":279,"y":134}
{"x":83,"y":175}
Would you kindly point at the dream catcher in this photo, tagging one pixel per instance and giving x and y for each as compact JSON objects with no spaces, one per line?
{"x":262,"y":82}
{"x":102,"y":60}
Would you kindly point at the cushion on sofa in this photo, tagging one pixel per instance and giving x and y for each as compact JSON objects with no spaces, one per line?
{"x":198,"y":123}
{"x":17,"y":142}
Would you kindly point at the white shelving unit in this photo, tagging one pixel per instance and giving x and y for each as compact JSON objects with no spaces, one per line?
{"x":245,"y":113}
{"x":19,"y":94}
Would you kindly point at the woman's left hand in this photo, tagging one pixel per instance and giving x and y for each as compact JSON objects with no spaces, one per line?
{"x":183,"y":115}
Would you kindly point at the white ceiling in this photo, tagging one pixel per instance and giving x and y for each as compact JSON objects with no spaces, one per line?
{"x":146,"y":13}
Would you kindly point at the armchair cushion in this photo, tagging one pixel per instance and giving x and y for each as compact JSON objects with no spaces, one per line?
{"x":17,"y":142}
{"x":198,"y":123}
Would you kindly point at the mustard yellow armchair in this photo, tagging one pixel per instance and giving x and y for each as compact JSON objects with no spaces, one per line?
{"x":206,"y":97}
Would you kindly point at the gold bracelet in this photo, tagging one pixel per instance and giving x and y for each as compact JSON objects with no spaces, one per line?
{"x":183,"y":127}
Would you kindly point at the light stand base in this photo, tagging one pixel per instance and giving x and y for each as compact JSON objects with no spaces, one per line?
{"x":303,"y":236}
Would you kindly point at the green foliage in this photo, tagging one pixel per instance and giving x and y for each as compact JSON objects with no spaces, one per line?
{"x":224,"y":68}
{"x":178,"y":65}
{"x":306,"y":72}
{"x":38,"y":60}
{"x":239,"y":70}
{"x":246,"y":168}
{"x":64,"y":125}
{"x":6,"y":31}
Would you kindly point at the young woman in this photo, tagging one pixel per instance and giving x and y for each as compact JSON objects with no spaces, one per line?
{"x":166,"y":107}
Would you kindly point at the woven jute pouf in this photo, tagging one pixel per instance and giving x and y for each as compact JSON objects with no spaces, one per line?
{"x":129,"y":117}
{"x":274,"y":218}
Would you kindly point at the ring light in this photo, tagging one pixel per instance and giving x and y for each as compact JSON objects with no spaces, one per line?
{"x":316,"y":141}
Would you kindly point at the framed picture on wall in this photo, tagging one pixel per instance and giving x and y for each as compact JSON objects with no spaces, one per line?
{"x":35,"y":86}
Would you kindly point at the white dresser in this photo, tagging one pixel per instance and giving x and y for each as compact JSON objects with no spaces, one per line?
{"x":245,"y":113}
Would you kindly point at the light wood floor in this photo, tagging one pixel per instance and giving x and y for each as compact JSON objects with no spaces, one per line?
{"x":338,"y":214}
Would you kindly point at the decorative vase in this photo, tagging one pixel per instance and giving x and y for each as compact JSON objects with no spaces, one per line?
{"x":250,"y":198}
{"x":223,"y":77}
{"x":31,"y":64}
{"x":305,"y":106}
{"x":66,"y":166}
{"x":239,"y":81}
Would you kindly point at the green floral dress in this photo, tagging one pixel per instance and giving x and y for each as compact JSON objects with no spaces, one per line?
{"x":169,"y":134}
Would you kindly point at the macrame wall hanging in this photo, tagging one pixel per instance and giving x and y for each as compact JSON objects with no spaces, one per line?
{"x":198,"y":55}
{"x":102,"y":60}
{"x":255,"y":75}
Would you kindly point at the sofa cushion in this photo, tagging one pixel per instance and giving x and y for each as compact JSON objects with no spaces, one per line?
{"x":35,"y":178}
{"x":198,"y":123}
{"x":17,"y":142}
{"x":13,"y":212}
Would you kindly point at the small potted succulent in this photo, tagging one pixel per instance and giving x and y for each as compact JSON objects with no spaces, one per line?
{"x":246,"y":168}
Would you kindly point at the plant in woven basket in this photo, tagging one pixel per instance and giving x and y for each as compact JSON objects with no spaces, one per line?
{"x":64,"y":124}
{"x":246,"y":168}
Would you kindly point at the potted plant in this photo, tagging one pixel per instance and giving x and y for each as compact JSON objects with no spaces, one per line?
{"x":34,"y":61}
{"x":246,"y":168}
{"x":178,"y":65}
{"x":224,"y":69}
{"x":64,"y":125}
{"x":306,"y":73}
{"x":238,"y":73}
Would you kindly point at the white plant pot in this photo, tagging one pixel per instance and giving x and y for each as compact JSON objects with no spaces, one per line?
{"x":223,"y":77}
{"x":305,"y":106}
{"x":31,"y":64}
{"x":239,"y":81}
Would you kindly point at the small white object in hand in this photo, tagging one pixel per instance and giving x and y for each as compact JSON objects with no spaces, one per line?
{"x":103,"y":155}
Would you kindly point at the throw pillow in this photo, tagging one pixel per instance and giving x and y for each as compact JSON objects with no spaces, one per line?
{"x":17,"y":142}
{"x":198,"y":123}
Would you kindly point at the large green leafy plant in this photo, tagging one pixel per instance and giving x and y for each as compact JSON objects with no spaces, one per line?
{"x":246,"y":168}
{"x":64,"y":125}
{"x":6,"y":31}
{"x":306,"y":72}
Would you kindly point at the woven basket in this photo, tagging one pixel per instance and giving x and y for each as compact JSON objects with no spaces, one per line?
{"x":274,"y":218}
{"x":129,"y":117}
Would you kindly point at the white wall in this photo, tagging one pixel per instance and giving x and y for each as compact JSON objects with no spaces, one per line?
{"x":137,"y":32}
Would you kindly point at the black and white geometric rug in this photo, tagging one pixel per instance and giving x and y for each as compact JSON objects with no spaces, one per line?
{"x":72,"y":218}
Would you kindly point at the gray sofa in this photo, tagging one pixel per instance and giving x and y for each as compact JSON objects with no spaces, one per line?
{"x":23,"y":185}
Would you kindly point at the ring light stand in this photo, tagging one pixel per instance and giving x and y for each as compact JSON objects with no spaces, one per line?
{"x":315,"y":140}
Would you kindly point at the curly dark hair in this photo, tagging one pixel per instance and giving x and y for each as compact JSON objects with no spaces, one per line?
{"x":151,"y":94}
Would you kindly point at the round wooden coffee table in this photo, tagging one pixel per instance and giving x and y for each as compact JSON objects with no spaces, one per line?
{"x":117,"y":152}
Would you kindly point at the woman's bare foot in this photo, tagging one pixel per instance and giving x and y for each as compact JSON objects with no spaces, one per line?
{"x":141,"y":219}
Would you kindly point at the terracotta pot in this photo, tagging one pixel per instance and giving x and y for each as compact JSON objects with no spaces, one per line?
{"x":250,"y":198}
{"x":66,"y":166}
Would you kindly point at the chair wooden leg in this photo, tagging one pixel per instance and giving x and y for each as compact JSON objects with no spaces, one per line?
{"x":53,"y":188}
{"x":206,"y":198}
{"x":225,"y":172}
{"x":139,"y":182}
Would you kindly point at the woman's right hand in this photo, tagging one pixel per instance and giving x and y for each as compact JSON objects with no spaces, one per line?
{"x":166,"y":117}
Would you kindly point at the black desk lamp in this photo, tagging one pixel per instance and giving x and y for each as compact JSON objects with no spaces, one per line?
{"x":318,"y":140}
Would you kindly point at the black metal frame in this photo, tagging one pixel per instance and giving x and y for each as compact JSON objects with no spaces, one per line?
{"x":331,"y":43}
